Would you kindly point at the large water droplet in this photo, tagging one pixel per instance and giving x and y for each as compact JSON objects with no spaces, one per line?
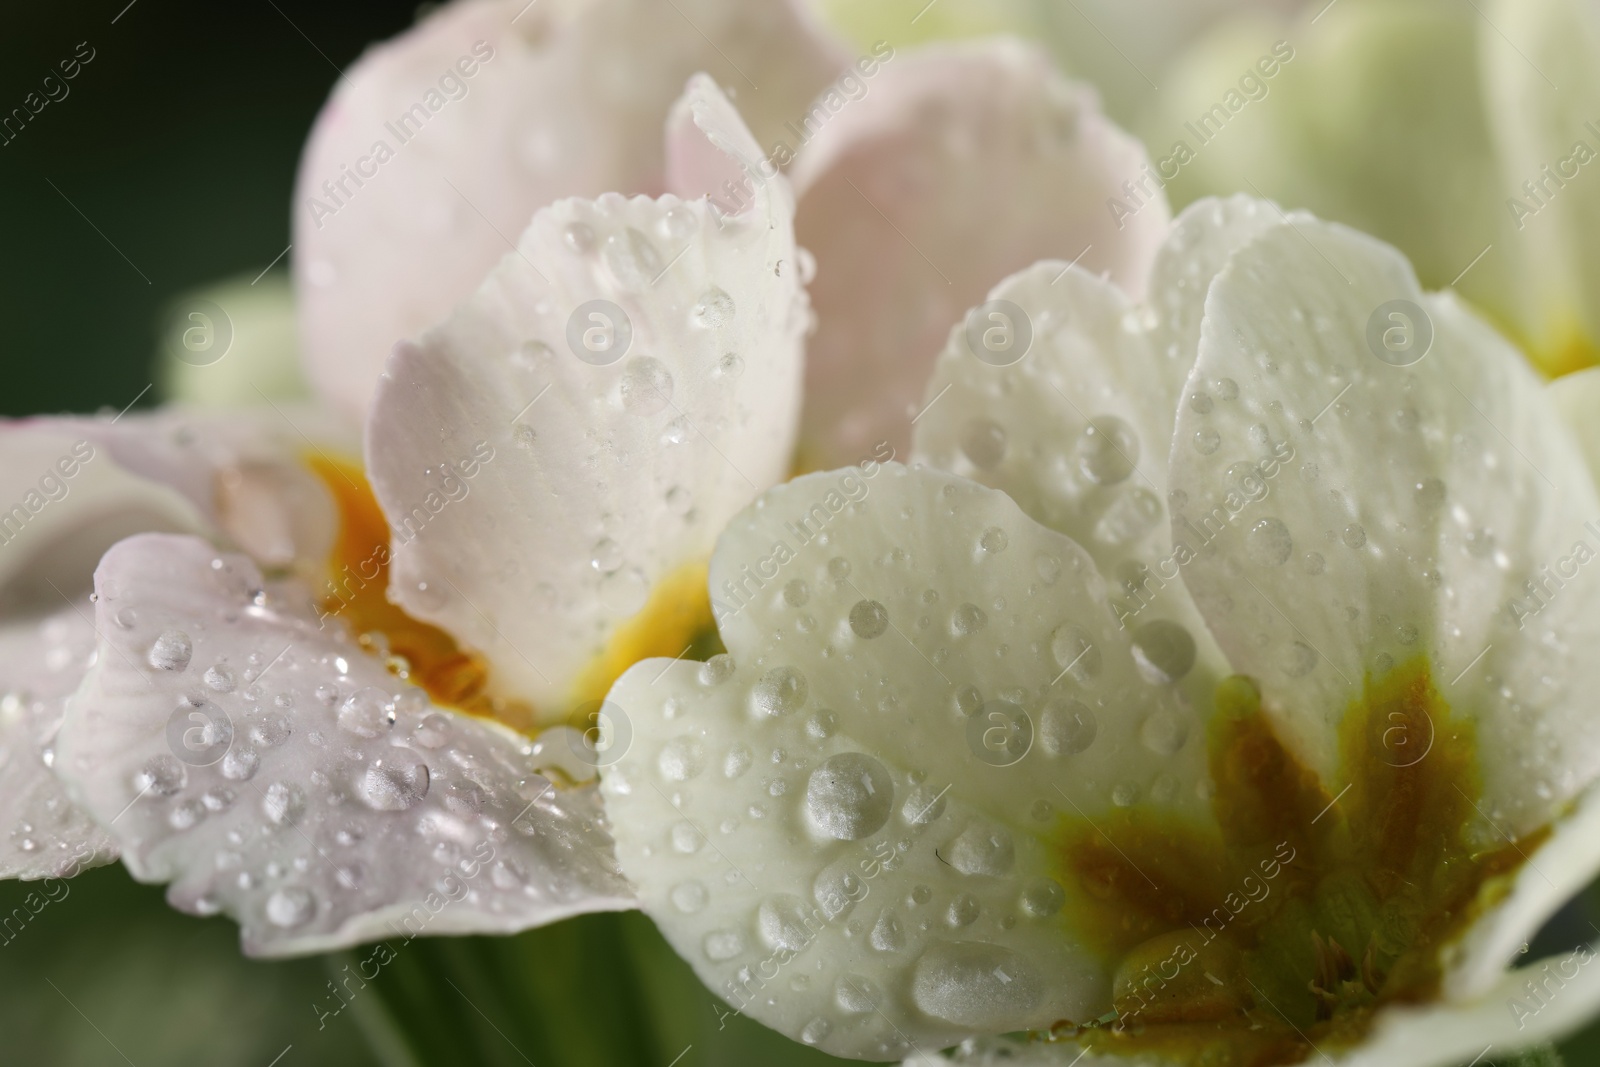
{"x":1163,"y":650}
{"x":1268,"y":543}
{"x":241,"y":763}
{"x":887,"y":934}
{"x":975,"y":985}
{"x":982,"y":848}
{"x":714,"y":309}
{"x":646,"y":386}
{"x":1067,"y":727}
{"x":220,"y":678}
{"x":171,"y":651}
{"x":967,"y":619}
{"x":1207,"y":440}
{"x":283,"y":803}
{"x":723,"y":945}
{"x":1108,"y":450}
{"x":1072,"y":650}
{"x":290,"y":907}
{"x":780,"y":691}
{"x":868,"y":619}
{"x":849,"y":796}
{"x":783,"y":921}
{"x":161,"y":775}
{"x":1354,"y":535}
{"x":394,"y":783}
{"x":681,"y":759}
{"x":368,"y":712}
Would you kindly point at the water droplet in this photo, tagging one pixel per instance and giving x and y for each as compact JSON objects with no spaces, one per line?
{"x":868,"y":619}
{"x":290,"y":907}
{"x":220,"y":678}
{"x":632,"y":259}
{"x":272,"y":730}
{"x":1200,"y":403}
{"x":126,"y":617}
{"x":241,"y":763}
{"x":782,"y":922}
{"x":730,"y":366}
{"x":1164,"y":733}
{"x":780,"y":691}
{"x":723,"y":945}
{"x":737,"y":761}
{"x":923,"y":805}
{"x":1163,"y":650}
{"x":974,"y":985}
{"x":1226,"y":388}
{"x":849,"y":796}
{"x":368,"y":712}
{"x":967,"y":619}
{"x":1269,"y":543}
{"x":680,"y":501}
{"x":1314,"y":563}
{"x":984,"y":443}
{"x":283,"y":803}
{"x":394,"y":783}
{"x":681,"y":759}
{"x":1067,"y":727}
{"x":714,"y":309}
{"x":1298,"y":659}
{"x":689,"y":897}
{"x":161,"y":775}
{"x":1354,"y":535}
{"x":1430,"y":493}
{"x":963,"y":910}
{"x":716,"y":670}
{"x":1108,"y":450}
{"x":1043,"y":898}
{"x":982,"y":848}
{"x":606,"y":556}
{"x":579,"y":237}
{"x":887,"y":935}
{"x":1072,"y":650}
{"x":816,"y":1031}
{"x":171,"y":651}
{"x":646,"y":386}
{"x":796,"y":593}
{"x":1207,"y":440}
{"x":838,"y":568}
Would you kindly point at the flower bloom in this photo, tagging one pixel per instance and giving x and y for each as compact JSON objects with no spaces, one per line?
{"x":1210,"y":684}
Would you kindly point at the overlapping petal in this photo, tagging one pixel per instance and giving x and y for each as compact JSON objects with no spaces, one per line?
{"x":41,"y":663}
{"x":437,"y":148}
{"x":556,"y":454}
{"x":887,"y":185}
{"x":272,"y":769}
{"x":921,"y":683}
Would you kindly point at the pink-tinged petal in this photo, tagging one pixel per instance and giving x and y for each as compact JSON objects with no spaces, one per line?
{"x":960,"y":165}
{"x":271,"y":768}
{"x":552,"y":107}
{"x":581,"y":428}
{"x":44,"y":834}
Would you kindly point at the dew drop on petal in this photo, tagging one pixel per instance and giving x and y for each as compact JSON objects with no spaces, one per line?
{"x":849,"y":796}
{"x":868,"y":619}
{"x":1207,"y":440}
{"x":1354,"y":535}
{"x":974,"y":985}
{"x":967,"y":619}
{"x":160,"y":775}
{"x":368,"y":712}
{"x":1163,"y":650}
{"x":1108,"y":450}
{"x":1268,"y":543}
{"x":780,"y":691}
{"x":646,"y":386}
{"x":171,"y":651}
{"x":714,"y":309}
{"x":1067,"y":727}
{"x":394,"y":783}
{"x":290,"y":907}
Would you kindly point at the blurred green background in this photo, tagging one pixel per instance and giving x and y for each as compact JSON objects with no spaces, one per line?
{"x":169,"y":166}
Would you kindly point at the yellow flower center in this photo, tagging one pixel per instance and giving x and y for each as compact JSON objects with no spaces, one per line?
{"x":1281,"y":929}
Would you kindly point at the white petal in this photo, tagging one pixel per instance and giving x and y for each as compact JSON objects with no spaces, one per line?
{"x":41,"y":663}
{"x":1414,"y":503}
{"x":835,"y":789}
{"x":600,"y":472}
{"x":1062,"y":392}
{"x":236,"y":749}
{"x":1577,"y":398}
{"x":553,"y":107}
{"x":887,"y":186}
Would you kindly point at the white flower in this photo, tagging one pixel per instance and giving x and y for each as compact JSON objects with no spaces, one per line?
{"x":312,"y":706}
{"x":1242,"y":707}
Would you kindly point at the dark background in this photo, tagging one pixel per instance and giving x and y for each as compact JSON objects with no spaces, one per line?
{"x":172,"y":160}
